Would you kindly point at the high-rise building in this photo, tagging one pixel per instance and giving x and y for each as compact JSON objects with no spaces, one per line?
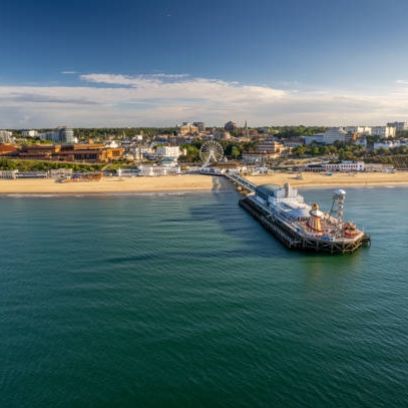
{"x":29,"y":133}
{"x":384,"y":131}
{"x":6,"y":136}
{"x":59,"y":135}
{"x":361,"y":130}
{"x":399,"y":126}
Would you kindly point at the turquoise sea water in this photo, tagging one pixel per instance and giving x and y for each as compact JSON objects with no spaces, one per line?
{"x":185,"y":301}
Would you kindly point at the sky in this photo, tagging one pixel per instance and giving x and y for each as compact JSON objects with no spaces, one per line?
{"x":97,"y":63}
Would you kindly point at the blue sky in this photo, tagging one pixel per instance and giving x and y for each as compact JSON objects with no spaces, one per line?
{"x":159,"y":62}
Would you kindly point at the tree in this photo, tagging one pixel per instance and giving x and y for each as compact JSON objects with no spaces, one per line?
{"x":315,"y":150}
{"x":299,"y":151}
{"x":235,"y":152}
{"x":192,"y":153}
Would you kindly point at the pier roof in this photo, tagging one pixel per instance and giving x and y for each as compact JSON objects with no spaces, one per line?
{"x":267,"y":188}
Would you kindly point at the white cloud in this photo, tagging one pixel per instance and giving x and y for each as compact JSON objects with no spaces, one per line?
{"x":167,"y":99}
{"x":69,"y":72}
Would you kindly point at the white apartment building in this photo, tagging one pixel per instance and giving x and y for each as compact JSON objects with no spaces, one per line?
{"x":383,"y":131}
{"x":329,"y":137}
{"x":361,"y":130}
{"x":168,"y":151}
{"x":138,"y":153}
{"x":345,"y":166}
{"x":334,"y":135}
{"x":29,"y":133}
{"x":6,"y":136}
{"x":389,"y":144}
{"x":399,"y":126}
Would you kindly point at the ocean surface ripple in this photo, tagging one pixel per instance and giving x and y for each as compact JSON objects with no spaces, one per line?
{"x":185,"y":301}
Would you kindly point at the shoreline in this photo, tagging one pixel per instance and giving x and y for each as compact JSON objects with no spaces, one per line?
{"x":112,"y":193}
{"x":187,"y":184}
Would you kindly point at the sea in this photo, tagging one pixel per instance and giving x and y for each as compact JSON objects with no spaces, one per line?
{"x":184,"y":300}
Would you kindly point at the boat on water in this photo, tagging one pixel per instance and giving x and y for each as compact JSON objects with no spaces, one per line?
{"x":299,"y":225}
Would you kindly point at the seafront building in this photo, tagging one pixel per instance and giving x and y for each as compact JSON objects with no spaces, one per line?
{"x":345,"y":166}
{"x":349,"y":166}
{"x":163,"y":170}
{"x":379,"y":168}
{"x":90,"y":153}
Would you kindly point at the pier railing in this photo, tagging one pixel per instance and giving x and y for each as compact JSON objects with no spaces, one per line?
{"x":240,"y":181}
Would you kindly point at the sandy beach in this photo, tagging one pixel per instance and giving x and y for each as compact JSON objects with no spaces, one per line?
{"x":191,"y":183}
{"x":111,"y":185}
{"x":343,"y":180}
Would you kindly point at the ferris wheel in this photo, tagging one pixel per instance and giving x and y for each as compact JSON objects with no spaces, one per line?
{"x":211,"y":151}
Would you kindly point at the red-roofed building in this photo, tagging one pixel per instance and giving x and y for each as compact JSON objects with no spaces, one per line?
{"x":7,"y":150}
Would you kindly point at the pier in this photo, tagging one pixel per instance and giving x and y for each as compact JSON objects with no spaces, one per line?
{"x":241,"y":183}
{"x":296,"y":233}
{"x":294,"y":240}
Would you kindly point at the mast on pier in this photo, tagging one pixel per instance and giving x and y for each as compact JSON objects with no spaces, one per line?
{"x":337,"y":209}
